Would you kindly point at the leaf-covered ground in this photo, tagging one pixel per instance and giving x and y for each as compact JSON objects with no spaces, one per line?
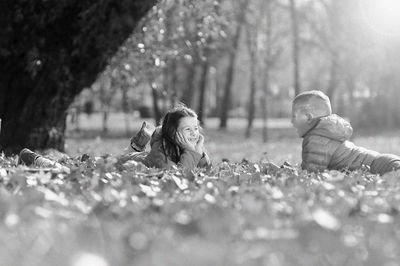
{"x":106,"y":213}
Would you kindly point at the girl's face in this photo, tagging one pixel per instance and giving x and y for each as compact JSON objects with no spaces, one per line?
{"x":189,"y":128}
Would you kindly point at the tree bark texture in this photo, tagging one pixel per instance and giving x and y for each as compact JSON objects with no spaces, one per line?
{"x":50,"y":51}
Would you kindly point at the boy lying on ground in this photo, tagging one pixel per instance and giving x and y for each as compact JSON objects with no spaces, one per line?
{"x":326,"y":137}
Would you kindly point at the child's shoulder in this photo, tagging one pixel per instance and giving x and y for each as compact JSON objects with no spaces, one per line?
{"x":333,"y":127}
{"x":156,"y":136}
{"x":334,"y":119}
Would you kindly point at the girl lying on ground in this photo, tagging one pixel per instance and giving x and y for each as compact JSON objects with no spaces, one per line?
{"x":177,"y":141}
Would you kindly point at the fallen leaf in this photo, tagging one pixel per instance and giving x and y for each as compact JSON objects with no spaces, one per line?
{"x":325,"y":219}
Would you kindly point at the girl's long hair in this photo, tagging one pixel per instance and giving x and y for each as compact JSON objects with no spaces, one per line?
{"x":170,"y":124}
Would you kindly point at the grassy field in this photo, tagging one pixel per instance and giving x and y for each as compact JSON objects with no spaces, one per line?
{"x":105,"y":213}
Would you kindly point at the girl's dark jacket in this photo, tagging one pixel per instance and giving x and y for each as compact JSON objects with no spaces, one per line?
{"x":157,"y":158}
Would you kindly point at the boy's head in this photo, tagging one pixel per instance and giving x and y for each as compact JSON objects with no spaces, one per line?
{"x":306,"y":107}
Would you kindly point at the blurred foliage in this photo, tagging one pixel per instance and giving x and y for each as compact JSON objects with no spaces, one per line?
{"x":173,"y":37}
{"x":108,"y":213}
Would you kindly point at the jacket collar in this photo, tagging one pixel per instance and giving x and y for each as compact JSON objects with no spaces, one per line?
{"x":314,"y":124}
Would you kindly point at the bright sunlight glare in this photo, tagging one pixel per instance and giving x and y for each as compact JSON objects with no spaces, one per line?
{"x":88,"y":259}
{"x":382,"y":16}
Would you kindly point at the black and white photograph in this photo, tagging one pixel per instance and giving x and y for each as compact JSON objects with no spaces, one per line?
{"x":199,"y":132}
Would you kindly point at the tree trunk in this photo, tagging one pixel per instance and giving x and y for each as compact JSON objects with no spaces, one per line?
{"x":202,"y":88}
{"x":350,"y":85}
{"x":250,"y":116}
{"x":126,"y":109}
{"x":204,"y":71}
{"x":296,"y":48}
{"x":77,"y":119}
{"x":174,"y":84}
{"x":218,"y":89}
{"x":191,"y":74}
{"x":267,"y":69}
{"x":156,"y":108}
{"x":105,"y":120}
{"x":264,"y":110}
{"x":333,"y":78}
{"x":252,"y":47}
{"x":226,"y":100}
{"x":188,"y":92}
{"x":264,"y":102}
{"x":107,"y":88}
{"x":50,"y":51}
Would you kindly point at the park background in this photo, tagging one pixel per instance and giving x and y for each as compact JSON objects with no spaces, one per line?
{"x":239,"y":64}
{"x":78,"y":69}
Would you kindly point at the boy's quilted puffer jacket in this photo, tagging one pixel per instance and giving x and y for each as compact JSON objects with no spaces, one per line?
{"x":326,"y":146}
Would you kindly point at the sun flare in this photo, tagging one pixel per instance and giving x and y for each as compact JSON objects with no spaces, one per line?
{"x":382,"y":16}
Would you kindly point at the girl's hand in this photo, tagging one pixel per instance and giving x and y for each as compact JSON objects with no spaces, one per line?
{"x":184,"y":143}
{"x":200,"y":145}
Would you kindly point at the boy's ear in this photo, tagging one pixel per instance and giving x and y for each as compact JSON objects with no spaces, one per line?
{"x":309,"y":117}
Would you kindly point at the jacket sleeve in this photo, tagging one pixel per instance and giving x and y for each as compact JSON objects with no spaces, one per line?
{"x":385,"y":163}
{"x":189,"y":159}
{"x":157,"y":158}
{"x":205,"y":161}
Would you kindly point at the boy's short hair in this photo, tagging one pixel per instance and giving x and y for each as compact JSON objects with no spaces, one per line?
{"x":314,"y":101}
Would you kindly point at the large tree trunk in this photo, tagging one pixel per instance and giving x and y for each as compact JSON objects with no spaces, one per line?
{"x":296,"y":48}
{"x":226,"y":100}
{"x":50,"y":51}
